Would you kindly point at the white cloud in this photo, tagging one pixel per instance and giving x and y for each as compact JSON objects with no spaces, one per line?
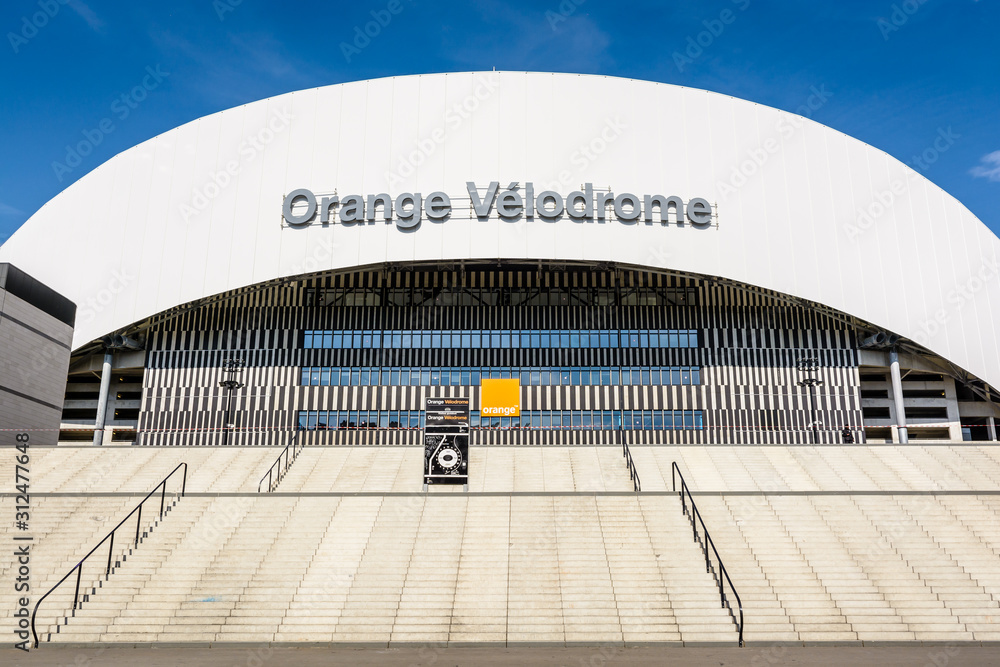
{"x":990,"y":167}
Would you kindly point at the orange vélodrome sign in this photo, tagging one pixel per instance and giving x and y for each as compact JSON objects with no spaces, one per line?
{"x":501,"y":398}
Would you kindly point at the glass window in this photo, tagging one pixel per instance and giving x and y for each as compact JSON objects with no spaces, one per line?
{"x":606,"y":419}
{"x":575,"y":377}
{"x":467,"y":377}
{"x":616,"y":376}
{"x":685,"y":375}
{"x":312,"y":420}
{"x":546,"y":419}
{"x":644,"y":339}
{"x":654,"y":339}
{"x":404,"y":377}
{"x":365,"y":377}
{"x":574,"y":339}
{"x":435,"y":378}
{"x":436,"y":340}
{"x":605,"y":339}
{"x":383,"y":419}
{"x":477,"y":339}
{"x":675,"y":375}
{"x":535,"y":377}
{"x":699,"y":419}
{"x":672,"y":339}
{"x":407,"y":338}
{"x":474,"y":418}
{"x":466,"y":340}
{"x":688,"y":419}
{"x":475,"y":377}
{"x":338,"y":340}
{"x":647,"y":420}
{"x":504,"y":339}
{"x":366,"y":339}
{"x":394,"y":377}
{"x":586,"y":419}
{"x":564,"y":376}
{"x":306,"y":374}
{"x":355,"y":377}
{"x":644,"y":378}
{"x":695,"y":375}
{"x":536,"y":339}
{"x":654,"y":376}
{"x":303,"y":420}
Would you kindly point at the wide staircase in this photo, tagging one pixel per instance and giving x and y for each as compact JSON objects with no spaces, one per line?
{"x":549,"y":544}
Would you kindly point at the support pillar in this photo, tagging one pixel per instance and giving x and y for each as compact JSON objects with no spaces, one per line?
{"x":897,"y":396}
{"x":991,"y":428}
{"x":102,"y":399}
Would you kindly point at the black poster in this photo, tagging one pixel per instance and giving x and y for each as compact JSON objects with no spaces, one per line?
{"x":446,"y":441}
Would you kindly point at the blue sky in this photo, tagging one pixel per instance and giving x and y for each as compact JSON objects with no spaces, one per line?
{"x":899,"y":73}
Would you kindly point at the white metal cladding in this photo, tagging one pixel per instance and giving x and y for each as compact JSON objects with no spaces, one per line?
{"x":116,"y":241}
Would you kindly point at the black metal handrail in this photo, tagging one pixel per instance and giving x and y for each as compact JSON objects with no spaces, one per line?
{"x":721,"y":577}
{"x":289,"y":459}
{"x":78,"y":568}
{"x":633,"y":474}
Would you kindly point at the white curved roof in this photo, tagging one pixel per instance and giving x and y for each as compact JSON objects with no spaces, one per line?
{"x":117,"y":241}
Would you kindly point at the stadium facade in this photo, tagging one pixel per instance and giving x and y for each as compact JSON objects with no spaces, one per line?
{"x":652,"y":262}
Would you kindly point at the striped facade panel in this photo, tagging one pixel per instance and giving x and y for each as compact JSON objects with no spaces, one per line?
{"x":749,"y":346}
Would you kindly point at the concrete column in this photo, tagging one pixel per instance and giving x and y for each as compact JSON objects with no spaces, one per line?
{"x":991,"y":428}
{"x":102,"y":399}
{"x":897,"y":396}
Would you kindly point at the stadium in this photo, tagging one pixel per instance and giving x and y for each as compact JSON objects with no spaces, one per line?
{"x":693,"y":299}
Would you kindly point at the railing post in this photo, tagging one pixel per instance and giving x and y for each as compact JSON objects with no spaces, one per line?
{"x":138,"y":524}
{"x":163,"y":496}
{"x":76,"y":596}
{"x":111,"y":550}
{"x":184,"y":482}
